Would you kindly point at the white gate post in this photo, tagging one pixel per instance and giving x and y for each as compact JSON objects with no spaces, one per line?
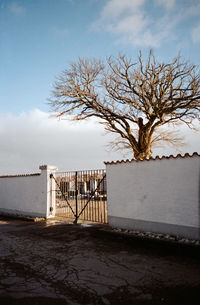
{"x":46,"y":171}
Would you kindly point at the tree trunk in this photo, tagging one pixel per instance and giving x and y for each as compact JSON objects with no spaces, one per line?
{"x":141,"y":155}
{"x":144,"y":149}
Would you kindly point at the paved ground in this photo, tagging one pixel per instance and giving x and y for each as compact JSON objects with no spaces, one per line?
{"x":57,"y":263}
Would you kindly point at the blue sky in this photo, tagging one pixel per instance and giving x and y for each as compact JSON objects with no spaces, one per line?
{"x":38,"y":38}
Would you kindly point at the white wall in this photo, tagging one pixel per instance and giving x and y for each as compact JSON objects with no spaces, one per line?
{"x":29,"y":194}
{"x":156,"y":195}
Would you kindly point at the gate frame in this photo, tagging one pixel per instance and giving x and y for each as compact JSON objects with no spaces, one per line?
{"x":75,"y":213}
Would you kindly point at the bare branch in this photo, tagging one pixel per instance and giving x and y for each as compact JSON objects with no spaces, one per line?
{"x":125,"y":94}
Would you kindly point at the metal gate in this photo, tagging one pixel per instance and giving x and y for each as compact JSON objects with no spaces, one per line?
{"x":81,"y":195}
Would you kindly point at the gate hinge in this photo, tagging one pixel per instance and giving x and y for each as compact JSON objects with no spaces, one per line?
{"x":51,"y":209}
{"x":51,"y":176}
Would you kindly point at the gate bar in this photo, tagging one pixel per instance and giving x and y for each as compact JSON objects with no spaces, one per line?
{"x":76,"y":197}
{"x":75,"y":215}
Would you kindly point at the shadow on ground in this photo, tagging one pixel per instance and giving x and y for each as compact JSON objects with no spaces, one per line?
{"x":60,"y":263}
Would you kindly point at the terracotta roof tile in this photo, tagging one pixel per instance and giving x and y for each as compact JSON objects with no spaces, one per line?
{"x":155,"y":158}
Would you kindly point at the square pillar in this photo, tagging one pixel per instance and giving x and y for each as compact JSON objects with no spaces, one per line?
{"x":49,"y":186}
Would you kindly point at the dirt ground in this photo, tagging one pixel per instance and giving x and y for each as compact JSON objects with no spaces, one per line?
{"x":59,"y":263}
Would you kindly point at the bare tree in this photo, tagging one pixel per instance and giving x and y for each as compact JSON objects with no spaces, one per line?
{"x":131,"y":99}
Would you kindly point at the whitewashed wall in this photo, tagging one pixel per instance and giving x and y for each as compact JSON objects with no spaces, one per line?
{"x":156,"y":195}
{"x":28,"y":195}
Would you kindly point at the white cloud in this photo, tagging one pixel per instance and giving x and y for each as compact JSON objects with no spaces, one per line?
{"x":123,"y":16}
{"x":115,"y":8}
{"x":196,"y":33}
{"x":133,"y":22}
{"x":190,"y":138}
{"x":32,"y":139}
{"x":17,"y":9}
{"x":168,"y":4}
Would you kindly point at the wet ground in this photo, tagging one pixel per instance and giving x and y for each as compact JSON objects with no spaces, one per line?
{"x":59,"y":263}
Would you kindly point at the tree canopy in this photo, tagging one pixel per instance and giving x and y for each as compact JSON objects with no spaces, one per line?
{"x":133,"y":99}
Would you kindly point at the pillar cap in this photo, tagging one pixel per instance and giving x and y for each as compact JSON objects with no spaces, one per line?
{"x":48,"y":167}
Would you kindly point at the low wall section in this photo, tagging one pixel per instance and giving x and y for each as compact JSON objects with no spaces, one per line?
{"x":157,"y":195}
{"x":28,"y":195}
